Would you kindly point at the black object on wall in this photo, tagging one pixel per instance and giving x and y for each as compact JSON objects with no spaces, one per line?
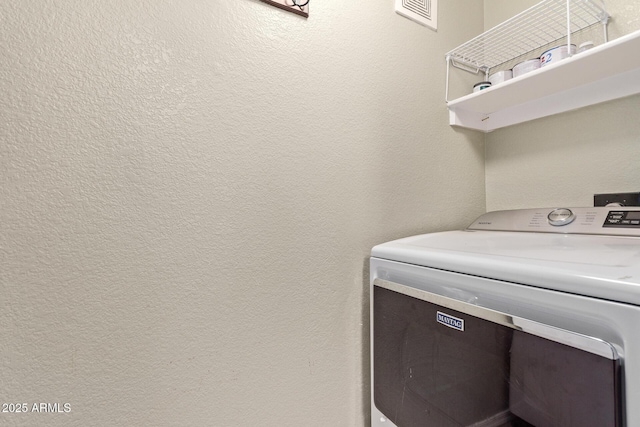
{"x":621,"y":199}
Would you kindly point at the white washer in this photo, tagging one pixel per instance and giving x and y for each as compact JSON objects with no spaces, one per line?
{"x":527,"y":317}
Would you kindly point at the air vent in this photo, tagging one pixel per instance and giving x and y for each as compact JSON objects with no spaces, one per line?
{"x":424,"y":12}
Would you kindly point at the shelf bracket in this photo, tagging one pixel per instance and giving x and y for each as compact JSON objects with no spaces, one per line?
{"x":464,"y":67}
{"x":446,"y":87}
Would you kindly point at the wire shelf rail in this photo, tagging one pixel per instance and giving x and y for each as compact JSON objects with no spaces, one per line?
{"x":538,"y":26}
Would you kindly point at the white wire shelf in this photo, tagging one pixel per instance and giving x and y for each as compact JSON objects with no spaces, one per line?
{"x":543,"y":24}
{"x":608,"y":71}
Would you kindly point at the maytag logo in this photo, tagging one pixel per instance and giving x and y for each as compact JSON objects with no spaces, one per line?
{"x":450,"y":321}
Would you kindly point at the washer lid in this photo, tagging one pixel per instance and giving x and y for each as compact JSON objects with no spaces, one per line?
{"x":602,"y":266}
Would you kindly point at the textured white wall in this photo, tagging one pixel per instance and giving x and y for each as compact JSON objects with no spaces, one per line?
{"x":497,"y":11}
{"x":564,"y":160}
{"x":189,"y":193}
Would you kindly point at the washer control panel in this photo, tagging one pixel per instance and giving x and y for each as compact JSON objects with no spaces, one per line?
{"x":606,"y":220}
{"x":623,"y":218}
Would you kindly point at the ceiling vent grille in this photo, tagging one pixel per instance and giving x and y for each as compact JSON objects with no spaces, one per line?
{"x":424,"y":12}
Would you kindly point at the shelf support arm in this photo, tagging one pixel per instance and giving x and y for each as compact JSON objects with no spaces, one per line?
{"x":569,"y":28}
{"x":446,"y":90}
{"x":465,"y":67}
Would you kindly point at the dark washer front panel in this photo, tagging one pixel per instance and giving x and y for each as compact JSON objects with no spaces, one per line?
{"x":436,"y":367}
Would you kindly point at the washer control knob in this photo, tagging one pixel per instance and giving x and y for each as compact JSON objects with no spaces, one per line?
{"x":558,"y":217}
